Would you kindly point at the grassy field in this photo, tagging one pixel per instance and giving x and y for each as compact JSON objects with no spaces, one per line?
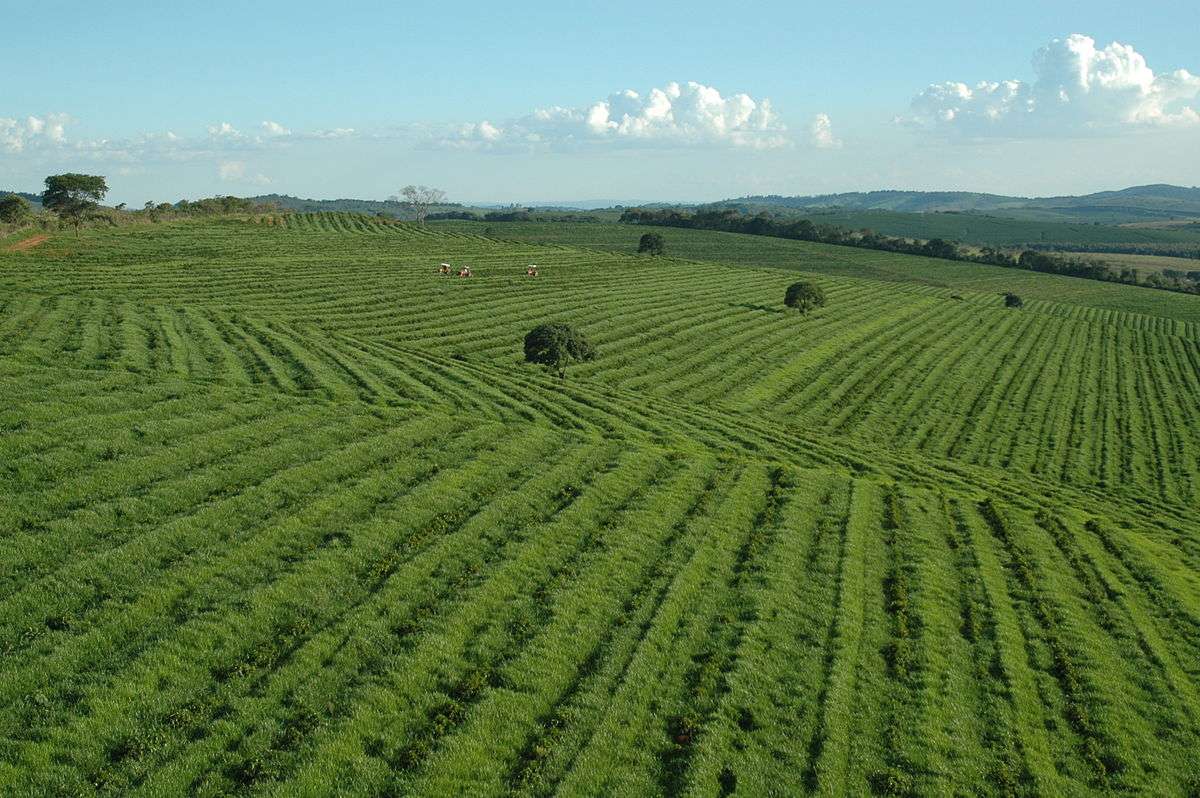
{"x":780,"y":253}
{"x":288,"y":515}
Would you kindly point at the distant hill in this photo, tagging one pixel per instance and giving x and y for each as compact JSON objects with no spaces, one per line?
{"x":1136,"y":204}
{"x":985,"y":229}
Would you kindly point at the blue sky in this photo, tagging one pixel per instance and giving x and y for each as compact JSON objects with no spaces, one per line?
{"x":521,"y":102}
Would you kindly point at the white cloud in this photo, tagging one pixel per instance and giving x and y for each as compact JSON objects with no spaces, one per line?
{"x":235,"y":172}
{"x":334,"y":133}
{"x":821,"y":133}
{"x":689,"y":114}
{"x":17,"y":134}
{"x":270,"y":128}
{"x":224,"y":130}
{"x":1078,"y":87}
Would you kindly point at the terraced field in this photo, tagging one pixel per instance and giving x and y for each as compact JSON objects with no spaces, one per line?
{"x":288,"y":515}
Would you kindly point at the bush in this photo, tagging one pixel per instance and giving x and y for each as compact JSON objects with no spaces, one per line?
{"x":13,"y":209}
{"x":1011,"y":300}
{"x":652,"y":244}
{"x":804,"y":297}
{"x":555,"y":345}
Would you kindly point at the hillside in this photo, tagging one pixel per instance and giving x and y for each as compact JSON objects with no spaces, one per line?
{"x":780,"y":253}
{"x":996,"y":231}
{"x":1139,"y":203}
{"x":292,"y":516}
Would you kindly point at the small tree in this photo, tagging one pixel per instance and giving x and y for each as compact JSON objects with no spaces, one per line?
{"x":74,"y":196}
{"x":652,"y":243}
{"x":420,"y":199}
{"x":1011,"y":300}
{"x":804,"y":297}
{"x":13,"y":209}
{"x":555,"y":345}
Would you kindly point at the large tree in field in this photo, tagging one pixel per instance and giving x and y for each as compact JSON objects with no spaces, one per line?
{"x":804,"y":297}
{"x":73,"y":196}
{"x":555,"y":345}
{"x":420,"y":199}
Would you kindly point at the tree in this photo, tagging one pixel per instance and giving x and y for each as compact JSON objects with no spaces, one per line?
{"x":13,"y":208}
{"x":74,"y":196}
{"x":420,"y":199}
{"x":555,"y":345}
{"x":1011,"y":300}
{"x":804,"y":297}
{"x":652,"y":243}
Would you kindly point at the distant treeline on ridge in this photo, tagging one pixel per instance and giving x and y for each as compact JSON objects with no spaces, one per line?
{"x":732,"y":221}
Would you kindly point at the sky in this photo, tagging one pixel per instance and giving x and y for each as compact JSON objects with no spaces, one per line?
{"x":571,"y":101}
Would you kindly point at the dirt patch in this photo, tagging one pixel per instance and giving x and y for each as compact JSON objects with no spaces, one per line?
{"x":29,"y":243}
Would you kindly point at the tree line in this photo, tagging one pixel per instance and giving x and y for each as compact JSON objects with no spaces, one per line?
{"x":732,"y":221}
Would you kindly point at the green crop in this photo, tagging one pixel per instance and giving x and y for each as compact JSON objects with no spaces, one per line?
{"x":285,"y":512}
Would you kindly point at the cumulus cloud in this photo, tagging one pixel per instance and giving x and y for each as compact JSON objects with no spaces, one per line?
{"x":224,"y":130}
{"x":821,"y":133}
{"x":1077,"y":87}
{"x":32,"y":131}
{"x":333,"y":133}
{"x":689,"y":114}
{"x":270,"y":128}
{"x":236,"y":172}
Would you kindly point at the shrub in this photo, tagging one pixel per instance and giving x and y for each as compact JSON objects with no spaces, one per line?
{"x":1011,"y":300}
{"x":652,"y":244}
{"x":13,"y":209}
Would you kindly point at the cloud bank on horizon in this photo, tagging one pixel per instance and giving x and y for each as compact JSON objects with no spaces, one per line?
{"x":677,"y":115}
{"x":1078,"y":88}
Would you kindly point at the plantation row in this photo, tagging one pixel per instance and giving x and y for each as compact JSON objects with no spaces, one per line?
{"x":220,"y":591}
{"x":292,"y":517}
{"x":835,"y":261}
{"x":1087,"y":397}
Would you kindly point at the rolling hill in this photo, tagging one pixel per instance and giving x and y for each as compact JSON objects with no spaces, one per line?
{"x":292,"y":516}
{"x":1138,"y":203}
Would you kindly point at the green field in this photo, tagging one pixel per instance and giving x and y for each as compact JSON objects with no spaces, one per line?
{"x":781,"y":253}
{"x":286,"y":514}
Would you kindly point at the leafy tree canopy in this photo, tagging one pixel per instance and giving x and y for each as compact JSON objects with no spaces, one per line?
{"x":804,"y":296}
{"x":73,"y":196}
{"x":555,"y":345}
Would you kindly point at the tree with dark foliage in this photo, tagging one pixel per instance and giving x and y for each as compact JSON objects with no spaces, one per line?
{"x":74,"y":196}
{"x":804,"y":297}
{"x":555,"y":345}
{"x":13,"y":208}
{"x":652,"y":244}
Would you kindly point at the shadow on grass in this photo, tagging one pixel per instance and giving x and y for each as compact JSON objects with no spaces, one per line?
{"x":763,"y":308}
